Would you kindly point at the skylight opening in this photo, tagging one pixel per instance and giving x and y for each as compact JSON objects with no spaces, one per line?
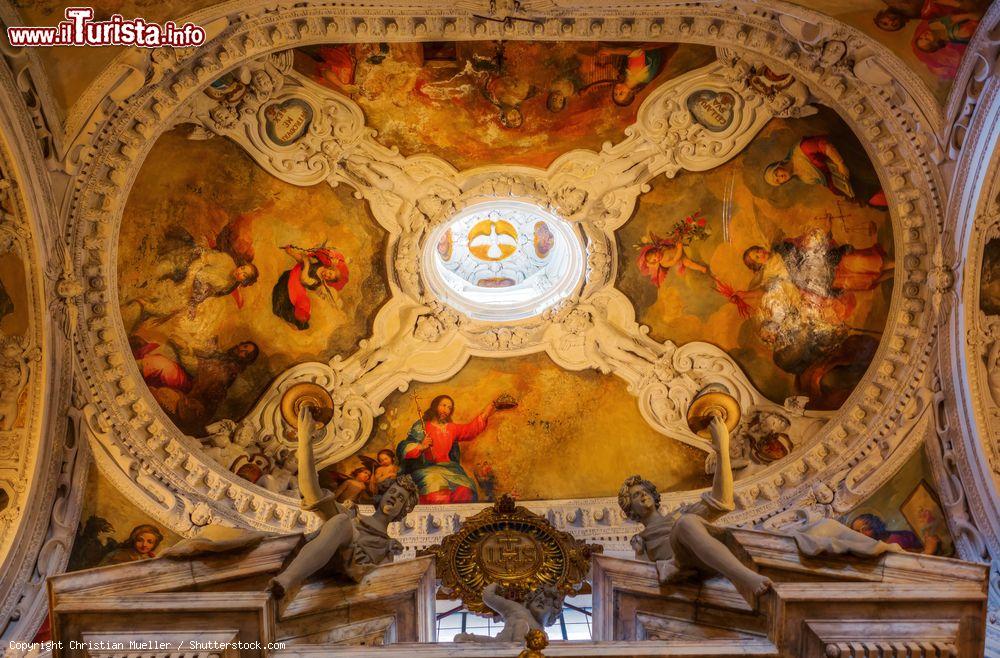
{"x":504,"y":260}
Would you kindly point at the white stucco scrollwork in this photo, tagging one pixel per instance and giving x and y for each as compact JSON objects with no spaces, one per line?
{"x":352,"y":418}
{"x":39,"y":470}
{"x":417,"y":337}
{"x":966,"y":447}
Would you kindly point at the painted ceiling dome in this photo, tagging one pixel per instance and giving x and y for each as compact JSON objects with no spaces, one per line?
{"x":388,"y":203}
{"x":504,"y":260}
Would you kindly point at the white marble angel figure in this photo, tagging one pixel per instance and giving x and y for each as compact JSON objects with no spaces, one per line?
{"x":541,"y":607}
{"x":686,"y":544}
{"x":346,"y":544}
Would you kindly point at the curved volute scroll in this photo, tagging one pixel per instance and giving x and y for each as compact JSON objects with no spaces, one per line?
{"x":304,"y":133}
{"x":706,"y":117}
{"x":351,"y":415}
{"x":281,"y":122}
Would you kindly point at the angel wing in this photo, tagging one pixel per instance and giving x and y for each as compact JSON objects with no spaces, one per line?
{"x":67,"y":288}
{"x":332,"y":477}
{"x":236,"y":237}
{"x":369,"y":462}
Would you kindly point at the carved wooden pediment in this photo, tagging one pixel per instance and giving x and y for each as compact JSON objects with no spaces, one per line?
{"x":222,"y":597}
{"x":829,"y":605}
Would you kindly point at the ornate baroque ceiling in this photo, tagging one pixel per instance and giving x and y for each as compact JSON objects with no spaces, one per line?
{"x":595,"y":210}
{"x":792,"y":343}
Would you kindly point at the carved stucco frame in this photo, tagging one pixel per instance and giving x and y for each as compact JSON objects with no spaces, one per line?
{"x":965,"y":444}
{"x":879,"y":427}
{"x":40,"y":465}
{"x":867,"y":441}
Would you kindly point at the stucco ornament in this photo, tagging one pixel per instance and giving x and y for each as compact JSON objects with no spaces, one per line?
{"x":594,"y":192}
{"x":449,"y":299}
{"x":964,"y":446}
{"x":40,"y":473}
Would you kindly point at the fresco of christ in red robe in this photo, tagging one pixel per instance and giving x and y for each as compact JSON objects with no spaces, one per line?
{"x":430,"y":453}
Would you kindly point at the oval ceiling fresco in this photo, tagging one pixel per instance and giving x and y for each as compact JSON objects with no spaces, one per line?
{"x":783,"y":257}
{"x":569,"y":435}
{"x":485,"y":102}
{"x":228,"y":276}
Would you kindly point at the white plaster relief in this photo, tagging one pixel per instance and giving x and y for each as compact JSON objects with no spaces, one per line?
{"x":858,"y":431}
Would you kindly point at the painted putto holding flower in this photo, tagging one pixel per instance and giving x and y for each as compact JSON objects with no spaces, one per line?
{"x":658,"y":254}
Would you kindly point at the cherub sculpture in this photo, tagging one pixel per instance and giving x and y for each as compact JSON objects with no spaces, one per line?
{"x":686,"y":544}
{"x":540,"y":609}
{"x":346,"y":544}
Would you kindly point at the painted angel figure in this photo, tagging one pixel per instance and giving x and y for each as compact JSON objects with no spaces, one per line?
{"x":686,"y":544}
{"x":346,"y":544}
{"x":383,"y":466}
{"x":196,"y":271}
{"x":659,"y":254}
{"x":541,"y":608}
{"x":507,"y":93}
{"x":816,"y":161}
{"x":361,"y":484}
{"x":319,"y":268}
{"x":353,"y":487}
{"x":639,"y":66}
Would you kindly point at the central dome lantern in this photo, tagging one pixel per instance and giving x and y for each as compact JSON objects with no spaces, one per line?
{"x":504,"y":260}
